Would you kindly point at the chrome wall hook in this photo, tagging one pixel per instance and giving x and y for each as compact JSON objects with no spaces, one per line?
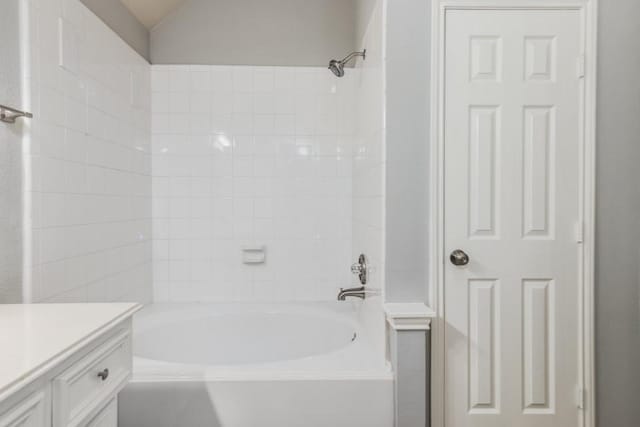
{"x":9,"y":115}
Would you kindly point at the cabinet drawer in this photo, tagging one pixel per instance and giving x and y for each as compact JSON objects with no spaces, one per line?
{"x":108,"y":417}
{"x":31,"y":412}
{"x":89,"y":383}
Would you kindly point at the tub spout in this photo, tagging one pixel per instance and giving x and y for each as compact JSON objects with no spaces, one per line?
{"x":351,"y":292}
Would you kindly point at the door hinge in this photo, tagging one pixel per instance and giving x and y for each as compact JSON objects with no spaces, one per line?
{"x":580,"y":398}
{"x":581,"y":66}
{"x":580,"y":232}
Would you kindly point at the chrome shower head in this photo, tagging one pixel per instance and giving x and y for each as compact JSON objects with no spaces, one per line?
{"x":337,"y":67}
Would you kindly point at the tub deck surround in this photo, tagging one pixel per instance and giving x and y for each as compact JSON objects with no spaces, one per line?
{"x":293,"y":364}
{"x":253,"y":341}
{"x":35,"y":338}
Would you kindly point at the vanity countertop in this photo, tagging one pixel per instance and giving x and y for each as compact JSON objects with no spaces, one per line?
{"x":34,"y":337}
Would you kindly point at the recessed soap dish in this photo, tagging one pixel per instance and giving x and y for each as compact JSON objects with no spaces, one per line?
{"x":253,"y":254}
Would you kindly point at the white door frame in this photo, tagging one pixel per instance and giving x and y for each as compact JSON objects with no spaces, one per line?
{"x":585,"y":396}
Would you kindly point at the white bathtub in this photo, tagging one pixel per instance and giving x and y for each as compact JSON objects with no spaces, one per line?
{"x":255,"y":365}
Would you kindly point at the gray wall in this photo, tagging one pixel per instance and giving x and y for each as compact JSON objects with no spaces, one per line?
{"x":363,"y":10}
{"x":120,"y":20}
{"x":407,"y":153}
{"x":411,"y":360}
{"x":618,"y":215}
{"x":618,"y":191}
{"x":255,"y":32}
{"x":10,"y":158}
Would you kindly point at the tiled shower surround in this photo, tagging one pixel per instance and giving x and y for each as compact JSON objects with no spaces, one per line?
{"x":251,"y":157}
{"x":87,"y":163}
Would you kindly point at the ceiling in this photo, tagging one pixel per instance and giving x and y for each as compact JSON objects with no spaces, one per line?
{"x":150,"y":12}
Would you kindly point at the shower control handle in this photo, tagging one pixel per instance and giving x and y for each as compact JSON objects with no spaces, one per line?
{"x":360,"y":269}
{"x":355,"y":268}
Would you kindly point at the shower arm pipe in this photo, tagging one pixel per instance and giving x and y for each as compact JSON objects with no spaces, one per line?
{"x":352,"y":55}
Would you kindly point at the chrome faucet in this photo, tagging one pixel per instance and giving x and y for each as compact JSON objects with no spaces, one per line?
{"x":360,"y":269}
{"x":351,"y":292}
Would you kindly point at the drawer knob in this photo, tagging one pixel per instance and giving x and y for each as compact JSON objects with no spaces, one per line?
{"x":103,"y":375}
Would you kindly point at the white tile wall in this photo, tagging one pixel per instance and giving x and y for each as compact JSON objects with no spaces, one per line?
{"x":251,"y":156}
{"x":368,"y":174}
{"x":369,"y":162}
{"x":88,"y":165}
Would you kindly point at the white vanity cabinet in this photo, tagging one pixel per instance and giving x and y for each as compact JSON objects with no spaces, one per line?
{"x":108,"y":417}
{"x":93,"y":381}
{"x":33,"y":411}
{"x":77,"y":382}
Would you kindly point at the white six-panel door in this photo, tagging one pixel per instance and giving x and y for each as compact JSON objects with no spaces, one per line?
{"x":512,"y":146}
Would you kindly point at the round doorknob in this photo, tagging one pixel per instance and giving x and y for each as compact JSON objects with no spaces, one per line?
{"x":459,"y":257}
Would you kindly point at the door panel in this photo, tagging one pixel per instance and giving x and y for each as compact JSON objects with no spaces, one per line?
{"x":512,"y":180}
